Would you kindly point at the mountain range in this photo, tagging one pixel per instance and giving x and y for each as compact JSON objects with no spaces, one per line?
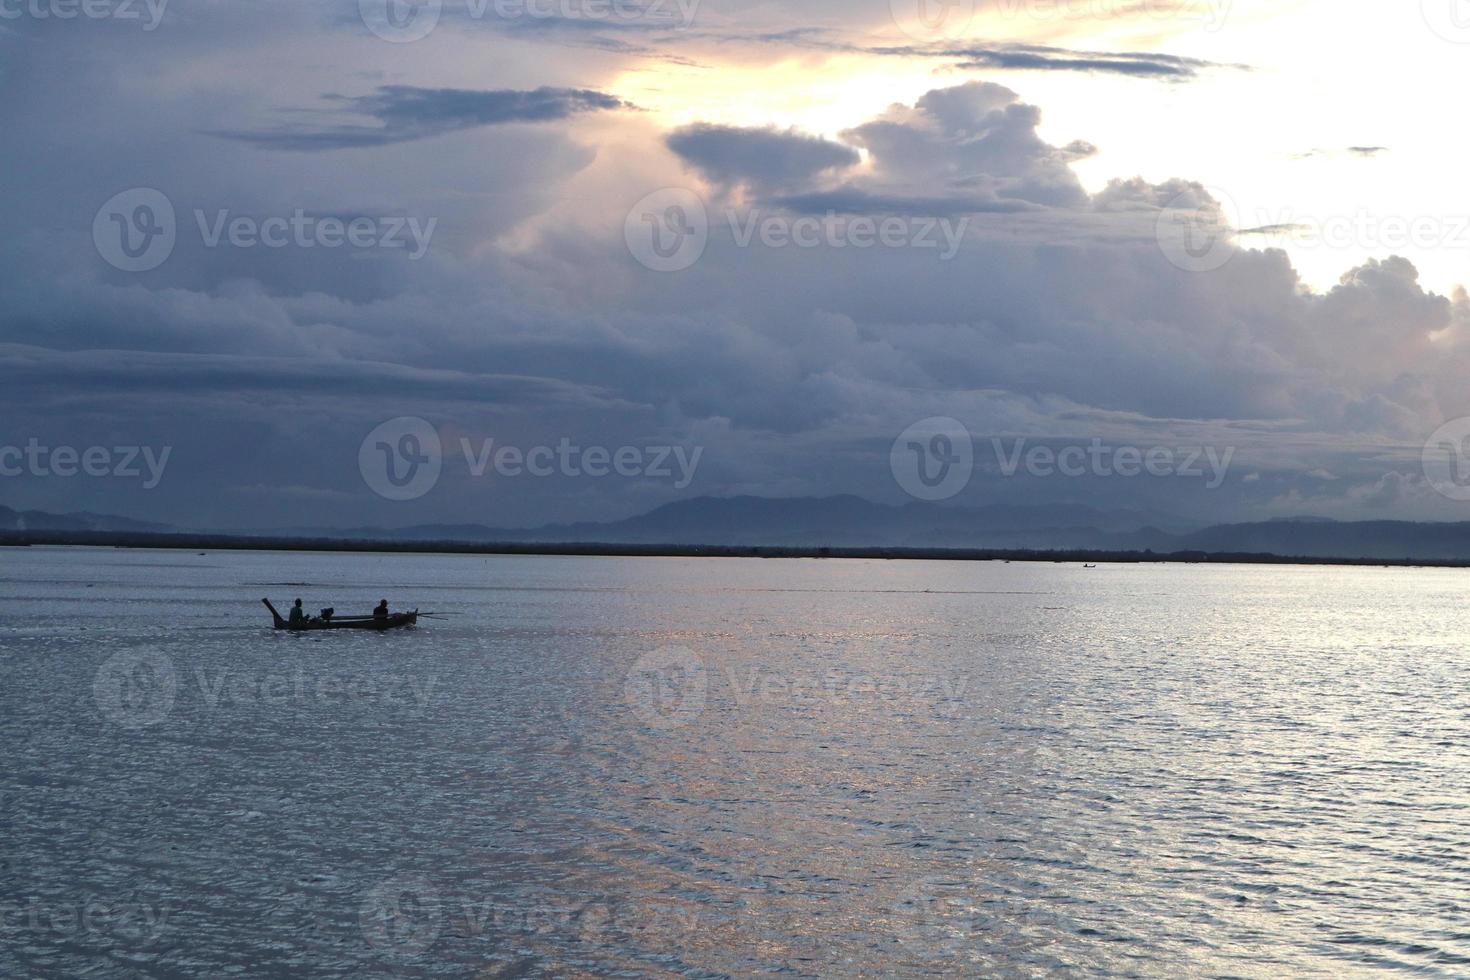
{"x":853,"y":522}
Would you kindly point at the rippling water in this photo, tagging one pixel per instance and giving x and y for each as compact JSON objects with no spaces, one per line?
{"x":591,"y":766}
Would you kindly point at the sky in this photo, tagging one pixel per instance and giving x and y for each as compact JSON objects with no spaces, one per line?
{"x":292,"y":263}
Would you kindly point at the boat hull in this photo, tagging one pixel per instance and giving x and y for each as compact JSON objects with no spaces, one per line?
{"x":397,"y":621}
{"x":377,"y":624}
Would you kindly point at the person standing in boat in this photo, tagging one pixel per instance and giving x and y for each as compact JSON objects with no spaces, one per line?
{"x":298,"y":614}
{"x":381,"y":612}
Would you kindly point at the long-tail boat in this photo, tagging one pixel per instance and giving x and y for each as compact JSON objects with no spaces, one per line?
{"x":390,"y":622}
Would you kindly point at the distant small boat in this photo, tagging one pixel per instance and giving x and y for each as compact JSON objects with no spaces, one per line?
{"x":392,"y":622}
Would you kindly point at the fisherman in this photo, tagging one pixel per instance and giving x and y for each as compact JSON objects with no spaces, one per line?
{"x":298,"y":614}
{"x":381,"y":612}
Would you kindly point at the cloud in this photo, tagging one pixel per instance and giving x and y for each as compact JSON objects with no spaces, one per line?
{"x":970,"y":147}
{"x":530,"y":321}
{"x":1357,"y":151}
{"x":686,"y":30}
{"x":1031,"y":57}
{"x":766,"y":157}
{"x":405,"y":114}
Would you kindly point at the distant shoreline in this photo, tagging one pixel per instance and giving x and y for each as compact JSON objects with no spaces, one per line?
{"x":228,"y":542}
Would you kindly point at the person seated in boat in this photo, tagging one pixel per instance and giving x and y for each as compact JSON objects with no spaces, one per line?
{"x":298,"y":614}
{"x":381,"y":612}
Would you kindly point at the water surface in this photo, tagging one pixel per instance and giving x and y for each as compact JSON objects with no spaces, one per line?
{"x":725,"y":767}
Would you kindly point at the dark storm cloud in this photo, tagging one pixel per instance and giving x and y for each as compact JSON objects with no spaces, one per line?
{"x":131,"y":373}
{"x":1357,"y":151}
{"x":406,"y":113}
{"x":1039,"y":58}
{"x":680,"y":41}
{"x":729,"y":154}
{"x":854,"y":201}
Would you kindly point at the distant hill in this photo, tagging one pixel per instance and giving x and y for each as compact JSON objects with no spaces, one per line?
{"x":38,"y":520}
{"x":1388,"y":540}
{"x":842,"y":521}
{"x":852,"y":522}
